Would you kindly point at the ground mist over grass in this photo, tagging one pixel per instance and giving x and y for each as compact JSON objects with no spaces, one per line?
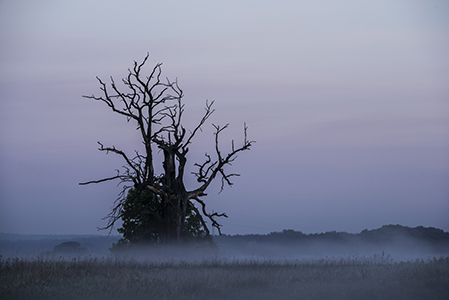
{"x":392,"y":262}
{"x":377,"y":277}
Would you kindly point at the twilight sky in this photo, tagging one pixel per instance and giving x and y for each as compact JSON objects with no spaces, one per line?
{"x":348,"y":102}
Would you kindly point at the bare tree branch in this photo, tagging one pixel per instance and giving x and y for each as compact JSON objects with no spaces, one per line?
{"x":211,"y":216}
{"x":209,"y":170}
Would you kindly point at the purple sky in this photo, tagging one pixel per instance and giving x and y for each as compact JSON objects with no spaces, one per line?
{"x":348,"y":102}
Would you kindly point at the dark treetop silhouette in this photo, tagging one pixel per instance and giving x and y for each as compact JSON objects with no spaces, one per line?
{"x":157,"y":108}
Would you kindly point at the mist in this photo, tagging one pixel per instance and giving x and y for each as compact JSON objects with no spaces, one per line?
{"x":391,"y":242}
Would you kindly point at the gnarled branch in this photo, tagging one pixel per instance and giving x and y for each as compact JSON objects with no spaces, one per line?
{"x":209,"y":170}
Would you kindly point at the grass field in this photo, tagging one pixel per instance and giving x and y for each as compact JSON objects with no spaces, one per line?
{"x":331,"y":278}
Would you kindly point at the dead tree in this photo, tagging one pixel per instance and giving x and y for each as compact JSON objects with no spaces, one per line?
{"x":156,"y":106}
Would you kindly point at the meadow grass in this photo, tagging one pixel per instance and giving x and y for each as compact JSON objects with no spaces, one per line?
{"x":219,"y":278}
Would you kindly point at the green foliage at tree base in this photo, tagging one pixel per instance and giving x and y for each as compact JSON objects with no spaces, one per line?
{"x":141,"y":226}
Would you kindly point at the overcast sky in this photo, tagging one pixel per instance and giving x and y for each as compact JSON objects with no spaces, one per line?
{"x":348,"y":102}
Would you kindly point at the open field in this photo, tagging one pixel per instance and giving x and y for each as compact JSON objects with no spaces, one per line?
{"x":111,"y":278}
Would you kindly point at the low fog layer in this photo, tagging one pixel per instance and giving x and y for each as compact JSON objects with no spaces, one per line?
{"x":400,"y":243}
{"x":394,"y":242}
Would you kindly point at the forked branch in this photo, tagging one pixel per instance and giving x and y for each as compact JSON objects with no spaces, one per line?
{"x":208,"y":170}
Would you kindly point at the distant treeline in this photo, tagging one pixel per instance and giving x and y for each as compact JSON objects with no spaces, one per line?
{"x":385,"y":234}
{"x":400,"y":242}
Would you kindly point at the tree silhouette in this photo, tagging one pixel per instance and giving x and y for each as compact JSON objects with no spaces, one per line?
{"x":157,"y":109}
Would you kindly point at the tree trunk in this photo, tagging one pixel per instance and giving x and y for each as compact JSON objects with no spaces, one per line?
{"x":173,"y":218}
{"x":175,"y":200}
